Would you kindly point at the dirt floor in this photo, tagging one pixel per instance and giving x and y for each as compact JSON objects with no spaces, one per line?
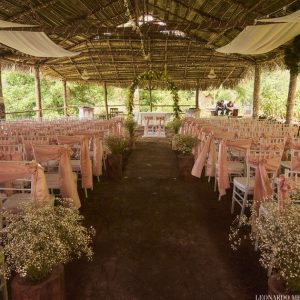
{"x":161,"y":238}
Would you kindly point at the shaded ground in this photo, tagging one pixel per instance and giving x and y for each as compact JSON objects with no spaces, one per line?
{"x":161,"y":238}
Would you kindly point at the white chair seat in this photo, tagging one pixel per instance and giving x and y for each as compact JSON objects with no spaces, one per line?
{"x":17,"y":200}
{"x":243,"y":184}
{"x":75,"y":165}
{"x":53,"y":180}
{"x":286,"y":164}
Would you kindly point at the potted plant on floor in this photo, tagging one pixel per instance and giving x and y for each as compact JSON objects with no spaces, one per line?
{"x":116,"y":146}
{"x":130,"y":125}
{"x":174,"y":125}
{"x":183,"y":145}
{"x":37,"y":243}
{"x":277,"y":234}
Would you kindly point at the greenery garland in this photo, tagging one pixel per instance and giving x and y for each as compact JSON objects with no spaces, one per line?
{"x":292,"y":56}
{"x":152,"y":76}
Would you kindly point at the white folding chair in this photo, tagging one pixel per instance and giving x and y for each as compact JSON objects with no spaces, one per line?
{"x":243,"y":187}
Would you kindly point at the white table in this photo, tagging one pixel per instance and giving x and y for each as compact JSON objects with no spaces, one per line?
{"x":140,"y":116}
{"x":153,"y":128}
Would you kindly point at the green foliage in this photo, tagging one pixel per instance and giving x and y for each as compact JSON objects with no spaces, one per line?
{"x":116,"y":144}
{"x":130,"y":125}
{"x":184,"y":143}
{"x":153,"y":76}
{"x":292,"y":56}
{"x":174,"y":125}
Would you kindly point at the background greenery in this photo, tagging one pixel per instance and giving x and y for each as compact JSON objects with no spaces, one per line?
{"x":18,"y":90}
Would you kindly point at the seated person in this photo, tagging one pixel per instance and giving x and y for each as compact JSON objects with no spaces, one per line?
{"x":229,"y":107}
{"x":220,"y":106}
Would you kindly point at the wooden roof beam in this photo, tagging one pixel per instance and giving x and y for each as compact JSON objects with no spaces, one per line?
{"x":32,"y":9}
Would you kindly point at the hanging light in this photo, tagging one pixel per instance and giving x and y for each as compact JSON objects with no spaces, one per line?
{"x":85,"y":75}
{"x":212,"y":74}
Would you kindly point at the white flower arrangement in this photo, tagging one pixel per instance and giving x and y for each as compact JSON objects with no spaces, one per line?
{"x":38,"y":239}
{"x":184,"y":143}
{"x":278,"y":235}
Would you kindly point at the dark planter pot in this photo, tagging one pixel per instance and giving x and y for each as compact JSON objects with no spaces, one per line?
{"x":185,"y":165}
{"x":49,"y":289}
{"x":131,"y":142}
{"x":114,"y":166}
{"x":277,"y":286}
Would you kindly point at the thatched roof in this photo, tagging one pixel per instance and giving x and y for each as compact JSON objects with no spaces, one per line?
{"x":179,"y":37}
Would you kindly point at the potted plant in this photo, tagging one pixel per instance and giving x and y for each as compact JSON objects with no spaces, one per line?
{"x":37,"y":243}
{"x":183,"y":145}
{"x":116,"y":145}
{"x":130,"y":125}
{"x":277,"y":234}
{"x":174,"y":125}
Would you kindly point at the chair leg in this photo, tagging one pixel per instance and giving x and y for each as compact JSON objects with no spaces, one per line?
{"x":233,"y":200}
{"x":244,"y":203}
{"x":85,"y":192}
{"x":98,"y":178}
{"x":215,"y":184}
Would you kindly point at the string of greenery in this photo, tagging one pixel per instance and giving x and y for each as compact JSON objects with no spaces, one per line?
{"x":292,"y":56}
{"x":154,"y":76}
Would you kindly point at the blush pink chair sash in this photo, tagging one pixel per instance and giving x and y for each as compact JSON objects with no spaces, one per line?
{"x":211,"y":160}
{"x":244,"y":145}
{"x":85,"y":161}
{"x":295,"y":162}
{"x":200,"y":161}
{"x":15,"y":170}
{"x":97,"y":155}
{"x":66,"y":179}
{"x":262,"y":187}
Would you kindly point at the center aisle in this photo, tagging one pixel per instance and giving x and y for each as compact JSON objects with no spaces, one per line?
{"x":161,"y":238}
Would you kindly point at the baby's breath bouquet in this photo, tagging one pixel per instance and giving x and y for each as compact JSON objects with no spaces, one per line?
{"x":38,"y":239}
{"x":174,"y":125}
{"x":184,"y":143}
{"x":277,"y":233}
{"x":116,"y":144}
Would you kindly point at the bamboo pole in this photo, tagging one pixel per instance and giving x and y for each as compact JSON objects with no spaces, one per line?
{"x":256,"y":90}
{"x":197,"y":94}
{"x":2,"y":105}
{"x":105,"y":99}
{"x":65,"y":89}
{"x":291,"y":97}
{"x":38,"y":97}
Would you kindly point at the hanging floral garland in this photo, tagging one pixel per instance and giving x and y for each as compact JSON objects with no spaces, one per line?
{"x":154,"y":76}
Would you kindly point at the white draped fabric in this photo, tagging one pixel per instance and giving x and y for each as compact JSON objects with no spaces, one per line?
{"x":6,"y":24}
{"x":294,"y":17}
{"x":262,"y":38}
{"x":33,"y":43}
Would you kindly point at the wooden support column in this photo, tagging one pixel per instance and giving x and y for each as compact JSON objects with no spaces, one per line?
{"x":197,"y":94}
{"x":2,"y":106}
{"x":256,"y":90}
{"x":65,"y":88}
{"x":105,"y":100}
{"x":38,"y":96}
{"x":291,"y":98}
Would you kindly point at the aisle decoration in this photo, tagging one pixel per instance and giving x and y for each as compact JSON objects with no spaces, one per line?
{"x":277,"y":236}
{"x":184,"y":144}
{"x":130,"y":125}
{"x":37,"y":243}
{"x":116,"y":146}
{"x":154,"y":76}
